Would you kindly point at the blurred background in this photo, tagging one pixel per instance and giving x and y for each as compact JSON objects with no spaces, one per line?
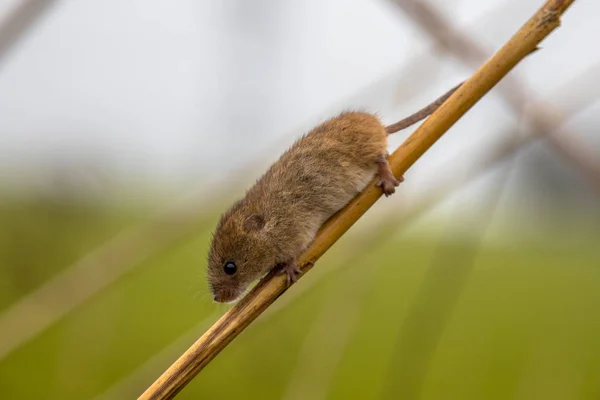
{"x":127,"y":127}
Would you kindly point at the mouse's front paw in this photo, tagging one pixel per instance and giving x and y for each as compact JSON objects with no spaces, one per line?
{"x":291,"y":269}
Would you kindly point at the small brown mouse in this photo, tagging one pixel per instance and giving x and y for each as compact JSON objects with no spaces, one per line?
{"x":280,"y":215}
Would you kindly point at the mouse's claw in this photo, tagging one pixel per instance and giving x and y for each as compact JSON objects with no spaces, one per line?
{"x":292,"y":271}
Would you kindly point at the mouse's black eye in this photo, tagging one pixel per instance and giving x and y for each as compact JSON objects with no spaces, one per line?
{"x":230,"y":268}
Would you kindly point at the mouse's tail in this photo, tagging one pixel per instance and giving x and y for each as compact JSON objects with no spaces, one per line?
{"x":422,"y":113}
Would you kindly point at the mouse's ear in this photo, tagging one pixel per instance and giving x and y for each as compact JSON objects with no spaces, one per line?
{"x":254,"y":223}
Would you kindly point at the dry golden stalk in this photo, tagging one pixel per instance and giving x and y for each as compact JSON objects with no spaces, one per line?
{"x":366,"y":244}
{"x":544,"y":21}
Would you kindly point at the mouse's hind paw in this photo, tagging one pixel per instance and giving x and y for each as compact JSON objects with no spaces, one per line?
{"x":387,"y":180}
{"x":388,"y":185}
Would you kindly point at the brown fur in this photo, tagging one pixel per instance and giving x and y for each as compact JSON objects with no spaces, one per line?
{"x":280,"y":215}
{"x":314,"y":179}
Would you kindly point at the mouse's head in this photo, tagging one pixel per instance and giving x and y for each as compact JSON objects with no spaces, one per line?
{"x":240,"y":253}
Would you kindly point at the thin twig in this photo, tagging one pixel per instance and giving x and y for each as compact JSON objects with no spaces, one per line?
{"x":271,"y":287}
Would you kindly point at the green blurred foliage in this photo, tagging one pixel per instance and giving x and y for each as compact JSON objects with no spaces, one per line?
{"x":39,"y":238}
{"x":407,"y":319}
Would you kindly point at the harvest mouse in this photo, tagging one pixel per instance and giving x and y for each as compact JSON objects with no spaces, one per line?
{"x":280,"y":215}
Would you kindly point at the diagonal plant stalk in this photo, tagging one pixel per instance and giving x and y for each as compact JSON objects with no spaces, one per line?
{"x":387,"y":228}
{"x":366,"y":244}
{"x":525,"y":41}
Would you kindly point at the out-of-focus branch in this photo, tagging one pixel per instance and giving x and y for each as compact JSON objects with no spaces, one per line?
{"x":271,"y":287}
{"x":542,"y":117}
{"x":20,"y":19}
